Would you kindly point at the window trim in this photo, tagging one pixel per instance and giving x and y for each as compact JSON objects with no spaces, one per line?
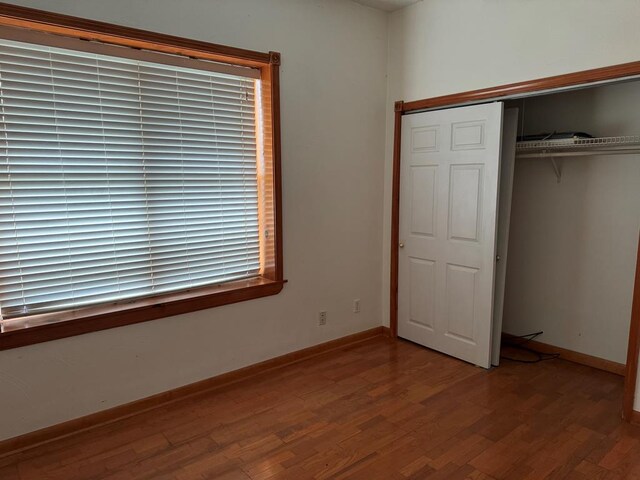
{"x":270,"y":281}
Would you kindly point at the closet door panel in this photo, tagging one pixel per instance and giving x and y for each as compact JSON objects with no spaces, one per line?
{"x":422,"y":232}
{"x":422,"y":277}
{"x":507,"y":166}
{"x":449,"y":180}
{"x":423,"y":199}
{"x":465,"y":202}
{"x":461,"y":285}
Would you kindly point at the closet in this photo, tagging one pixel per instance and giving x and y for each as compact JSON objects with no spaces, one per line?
{"x":574,"y":221}
{"x":537,"y":235}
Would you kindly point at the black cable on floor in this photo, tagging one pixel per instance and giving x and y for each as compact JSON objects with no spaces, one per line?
{"x":538,"y":356}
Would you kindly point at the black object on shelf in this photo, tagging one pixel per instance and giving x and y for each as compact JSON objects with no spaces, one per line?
{"x":553,"y":136}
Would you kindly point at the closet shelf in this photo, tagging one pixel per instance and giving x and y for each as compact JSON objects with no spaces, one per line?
{"x":569,"y":147}
{"x":577,"y":147}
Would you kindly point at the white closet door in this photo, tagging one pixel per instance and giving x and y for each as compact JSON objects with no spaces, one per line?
{"x":449,"y":190}
{"x":507,"y":168}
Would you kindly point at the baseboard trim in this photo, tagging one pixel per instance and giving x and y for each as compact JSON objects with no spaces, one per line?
{"x":635,"y":418}
{"x":575,"y":357}
{"x":30,"y":440}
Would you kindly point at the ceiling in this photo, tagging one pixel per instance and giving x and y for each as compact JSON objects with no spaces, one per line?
{"x":387,"y":5}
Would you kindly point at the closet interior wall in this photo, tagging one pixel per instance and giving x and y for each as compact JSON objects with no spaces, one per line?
{"x":573,"y":244}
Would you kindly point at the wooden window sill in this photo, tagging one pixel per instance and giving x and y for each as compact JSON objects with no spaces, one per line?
{"x":52,"y":326}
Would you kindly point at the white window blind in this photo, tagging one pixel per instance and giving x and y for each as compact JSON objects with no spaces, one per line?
{"x":121,"y":178}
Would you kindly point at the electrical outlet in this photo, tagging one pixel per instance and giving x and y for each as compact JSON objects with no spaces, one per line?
{"x":322,"y":318}
{"x":356,"y":305}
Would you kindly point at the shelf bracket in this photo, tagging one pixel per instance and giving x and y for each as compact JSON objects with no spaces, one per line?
{"x":556,"y":168}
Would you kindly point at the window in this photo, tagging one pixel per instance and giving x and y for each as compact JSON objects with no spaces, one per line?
{"x":131,"y":180}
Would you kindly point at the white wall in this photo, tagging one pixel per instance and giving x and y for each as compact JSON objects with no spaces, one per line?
{"x":573,"y":244}
{"x":438,"y":47}
{"x":333,"y":107}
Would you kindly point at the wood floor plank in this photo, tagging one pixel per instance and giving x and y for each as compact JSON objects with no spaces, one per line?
{"x":381,"y":410}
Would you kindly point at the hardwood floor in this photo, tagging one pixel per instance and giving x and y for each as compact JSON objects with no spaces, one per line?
{"x":381,"y":410}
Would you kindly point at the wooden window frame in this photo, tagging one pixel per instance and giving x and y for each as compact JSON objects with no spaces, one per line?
{"x":57,"y":325}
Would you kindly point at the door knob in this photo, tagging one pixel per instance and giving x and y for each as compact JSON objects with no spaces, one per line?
{"x":401,"y":245}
